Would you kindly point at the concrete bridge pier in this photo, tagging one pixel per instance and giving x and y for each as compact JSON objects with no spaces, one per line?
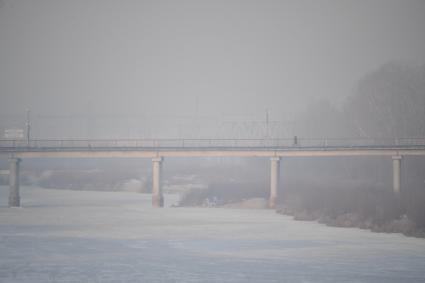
{"x":274,"y":180}
{"x":157,"y":197}
{"x":397,"y":175}
{"x":14,"y":198}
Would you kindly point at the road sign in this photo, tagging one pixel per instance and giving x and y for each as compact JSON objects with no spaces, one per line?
{"x":14,"y":133}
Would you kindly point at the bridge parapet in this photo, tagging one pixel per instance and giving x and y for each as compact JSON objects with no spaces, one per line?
{"x":105,"y":144}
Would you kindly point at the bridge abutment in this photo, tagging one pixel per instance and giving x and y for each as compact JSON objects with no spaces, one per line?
{"x":14,"y":198}
{"x":274,"y":180}
{"x":397,"y":175}
{"x":157,"y":197}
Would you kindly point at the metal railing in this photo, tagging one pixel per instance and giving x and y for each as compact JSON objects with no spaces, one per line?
{"x":97,"y":144}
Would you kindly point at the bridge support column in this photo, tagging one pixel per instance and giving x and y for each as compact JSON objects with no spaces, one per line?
{"x":397,"y":175}
{"x":274,"y":180}
{"x":157,"y":197}
{"x":14,"y":198}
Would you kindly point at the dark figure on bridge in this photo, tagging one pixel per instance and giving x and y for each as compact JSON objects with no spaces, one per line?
{"x":295,"y":141}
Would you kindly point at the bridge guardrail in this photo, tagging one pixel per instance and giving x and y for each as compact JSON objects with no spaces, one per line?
{"x":59,"y":144}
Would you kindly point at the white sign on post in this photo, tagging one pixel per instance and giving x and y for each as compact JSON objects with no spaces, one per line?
{"x":14,"y":134}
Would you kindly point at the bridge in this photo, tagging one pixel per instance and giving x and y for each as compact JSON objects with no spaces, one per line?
{"x":159,"y":149}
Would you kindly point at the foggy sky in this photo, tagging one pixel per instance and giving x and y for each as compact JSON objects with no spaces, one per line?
{"x":196,"y":58}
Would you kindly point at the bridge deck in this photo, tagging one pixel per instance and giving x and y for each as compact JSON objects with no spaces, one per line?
{"x":210,"y":147}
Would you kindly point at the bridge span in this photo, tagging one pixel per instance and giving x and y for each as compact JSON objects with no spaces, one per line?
{"x":158,"y":149}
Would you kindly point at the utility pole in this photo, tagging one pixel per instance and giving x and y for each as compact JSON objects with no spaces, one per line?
{"x":28,"y":128}
{"x":267,"y":123}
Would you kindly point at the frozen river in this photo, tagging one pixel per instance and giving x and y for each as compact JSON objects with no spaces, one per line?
{"x":70,"y":236}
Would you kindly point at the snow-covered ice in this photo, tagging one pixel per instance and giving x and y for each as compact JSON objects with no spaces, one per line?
{"x":80,"y":236}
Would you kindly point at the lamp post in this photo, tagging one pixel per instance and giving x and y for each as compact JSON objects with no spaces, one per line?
{"x":267,"y":135}
{"x":28,"y":128}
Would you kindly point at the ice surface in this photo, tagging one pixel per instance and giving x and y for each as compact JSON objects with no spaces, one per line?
{"x":80,"y":236}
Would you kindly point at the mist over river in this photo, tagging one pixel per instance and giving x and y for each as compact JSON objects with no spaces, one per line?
{"x":81,"y":236}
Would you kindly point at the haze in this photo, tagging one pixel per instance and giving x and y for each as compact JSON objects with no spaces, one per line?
{"x":212,"y":141}
{"x":166,"y":64}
